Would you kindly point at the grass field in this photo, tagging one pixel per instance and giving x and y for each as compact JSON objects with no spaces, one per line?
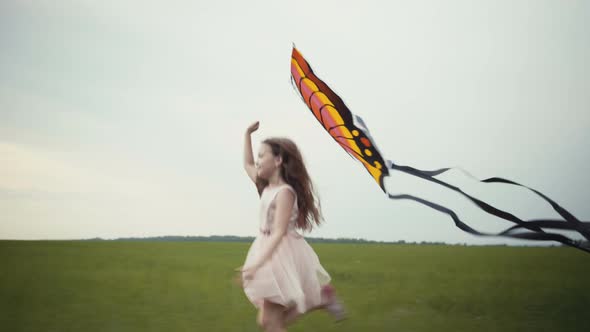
{"x":187,"y":286}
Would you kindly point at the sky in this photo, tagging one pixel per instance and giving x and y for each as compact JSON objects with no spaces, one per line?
{"x":126,"y":118}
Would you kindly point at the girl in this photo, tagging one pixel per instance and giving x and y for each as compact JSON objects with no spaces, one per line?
{"x":282,"y":275}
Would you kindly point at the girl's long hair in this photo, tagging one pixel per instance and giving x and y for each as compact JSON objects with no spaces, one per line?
{"x":293,"y":171}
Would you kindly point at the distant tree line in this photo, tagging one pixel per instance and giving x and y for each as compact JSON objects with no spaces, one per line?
{"x":233,"y":238}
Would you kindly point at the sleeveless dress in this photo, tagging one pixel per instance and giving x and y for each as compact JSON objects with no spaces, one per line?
{"x":293,"y":275}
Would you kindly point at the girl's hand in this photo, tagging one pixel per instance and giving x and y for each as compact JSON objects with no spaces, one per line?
{"x":249,"y":273}
{"x":253,"y":127}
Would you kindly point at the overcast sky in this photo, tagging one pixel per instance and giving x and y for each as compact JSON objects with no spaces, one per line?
{"x":125,"y":118}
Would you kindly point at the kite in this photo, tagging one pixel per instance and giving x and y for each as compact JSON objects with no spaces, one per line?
{"x":351,"y":133}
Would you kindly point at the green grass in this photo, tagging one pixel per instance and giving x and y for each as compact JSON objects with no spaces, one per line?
{"x":186,"y":286}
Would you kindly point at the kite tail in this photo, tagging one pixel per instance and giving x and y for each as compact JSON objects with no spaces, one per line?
{"x":534,"y":228}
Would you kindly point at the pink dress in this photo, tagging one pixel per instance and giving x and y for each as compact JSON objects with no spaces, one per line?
{"x":293,"y":276}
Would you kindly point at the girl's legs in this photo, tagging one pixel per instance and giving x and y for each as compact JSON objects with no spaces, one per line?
{"x":290,"y":316}
{"x":260,"y":316}
{"x":271,"y":317}
{"x":329,"y":302}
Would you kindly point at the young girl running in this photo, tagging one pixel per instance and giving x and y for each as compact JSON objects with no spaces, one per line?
{"x":282,"y":275}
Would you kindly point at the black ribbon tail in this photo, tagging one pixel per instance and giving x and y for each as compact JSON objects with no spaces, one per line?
{"x":524,"y":229}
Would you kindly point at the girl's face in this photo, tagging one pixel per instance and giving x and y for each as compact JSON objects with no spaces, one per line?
{"x":266,"y":163}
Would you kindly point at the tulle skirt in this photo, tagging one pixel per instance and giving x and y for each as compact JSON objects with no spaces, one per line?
{"x":292,"y":277}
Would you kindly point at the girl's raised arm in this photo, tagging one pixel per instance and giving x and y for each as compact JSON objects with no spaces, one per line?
{"x":248,"y":155}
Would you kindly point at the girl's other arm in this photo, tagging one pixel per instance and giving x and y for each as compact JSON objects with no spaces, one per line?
{"x":284,"y":201}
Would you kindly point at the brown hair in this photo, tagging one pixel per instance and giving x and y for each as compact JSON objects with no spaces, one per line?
{"x":293,"y":171}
